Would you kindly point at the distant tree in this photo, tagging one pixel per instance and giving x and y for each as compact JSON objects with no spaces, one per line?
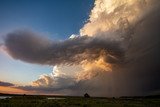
{"x":86,"y":95}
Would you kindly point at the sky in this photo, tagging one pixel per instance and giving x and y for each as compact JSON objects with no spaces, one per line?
{"x":56,"y":19}
{"x":106,"y":48}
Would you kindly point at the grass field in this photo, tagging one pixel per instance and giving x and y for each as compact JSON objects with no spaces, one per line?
{"x":43,"y":101}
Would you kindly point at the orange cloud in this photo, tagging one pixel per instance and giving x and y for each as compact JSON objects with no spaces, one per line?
{"x":12,"y":90}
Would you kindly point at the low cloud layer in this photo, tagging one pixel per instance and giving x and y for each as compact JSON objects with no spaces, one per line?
{"x":113,"y":56}
{"x":61,"y":82}
{"x":28,"y":46}
{"x":6,"y":84}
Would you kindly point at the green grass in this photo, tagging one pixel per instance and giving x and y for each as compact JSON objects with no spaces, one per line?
{"x":42,"y":101}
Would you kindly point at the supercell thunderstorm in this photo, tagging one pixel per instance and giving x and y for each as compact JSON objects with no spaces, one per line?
{"x":115,"y":54}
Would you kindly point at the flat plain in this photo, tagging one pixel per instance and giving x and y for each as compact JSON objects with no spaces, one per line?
{"x":68,"y":101}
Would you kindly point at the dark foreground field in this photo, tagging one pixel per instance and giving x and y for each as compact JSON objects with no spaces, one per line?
{"x":43,"y":101}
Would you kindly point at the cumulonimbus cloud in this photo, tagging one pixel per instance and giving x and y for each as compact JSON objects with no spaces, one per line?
{"x":129,"y":43}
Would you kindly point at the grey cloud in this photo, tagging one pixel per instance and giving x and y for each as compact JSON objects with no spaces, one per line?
{"x":139,"y":73}
{"x":69,"y":86}
{"x":29,"y":47}
{"x":7,"y":84}
{"x":51,"y":85}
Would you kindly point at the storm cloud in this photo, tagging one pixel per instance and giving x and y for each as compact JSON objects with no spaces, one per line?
{"x":28,"y":46}
{"x":128,"y":45}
